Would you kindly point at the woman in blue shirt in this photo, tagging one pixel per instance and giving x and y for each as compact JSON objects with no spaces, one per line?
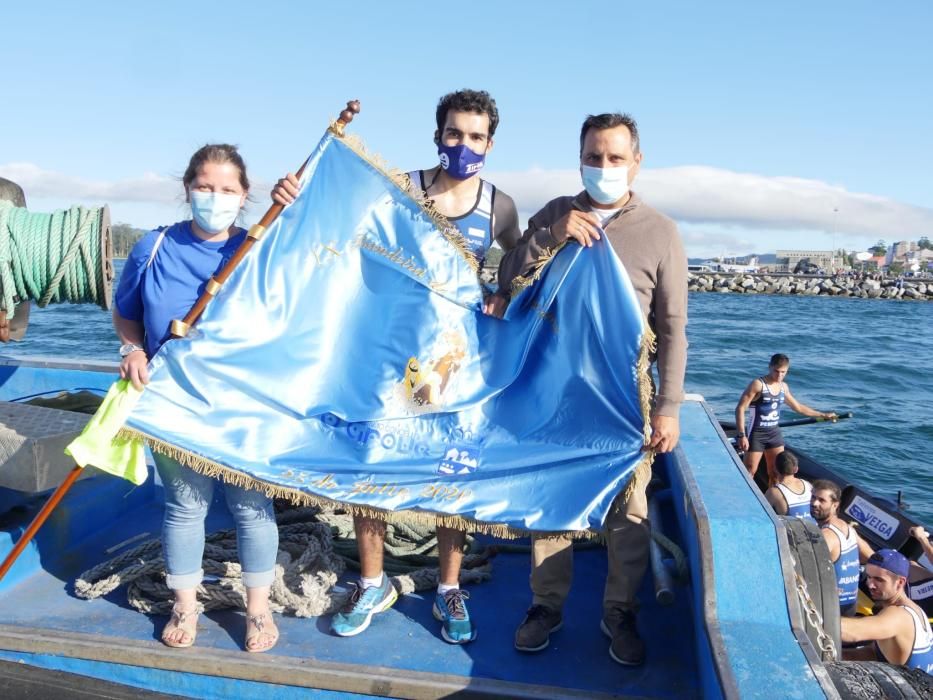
{"x":163,"y":277}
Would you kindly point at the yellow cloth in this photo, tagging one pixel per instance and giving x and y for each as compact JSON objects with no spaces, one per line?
{"x":98,"y":444}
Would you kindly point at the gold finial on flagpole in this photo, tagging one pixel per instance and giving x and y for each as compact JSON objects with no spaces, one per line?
{"x":346,"y":116}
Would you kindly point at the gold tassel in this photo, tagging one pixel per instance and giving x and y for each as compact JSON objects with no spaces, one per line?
{"x":649,"y":346}
{"x":642,"y":473}
{"x":534,"y":274}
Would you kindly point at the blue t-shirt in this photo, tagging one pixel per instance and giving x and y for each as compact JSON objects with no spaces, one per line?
{"x":155,"y":289}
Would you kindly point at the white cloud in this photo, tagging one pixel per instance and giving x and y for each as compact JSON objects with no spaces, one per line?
{"x":715,"y":207}
{"x":48,"y":184}
{"x":146,"y":201}
{"x":704,"y":195}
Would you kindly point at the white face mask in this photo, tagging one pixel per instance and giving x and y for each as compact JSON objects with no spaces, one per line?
{"x":605,"y":185}
{"x":214,"y":211}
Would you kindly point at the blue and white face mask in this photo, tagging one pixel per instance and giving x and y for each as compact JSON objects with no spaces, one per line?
{"x":459,"y":161}
{"x":214,"y":212}
{"x":605,"y":185}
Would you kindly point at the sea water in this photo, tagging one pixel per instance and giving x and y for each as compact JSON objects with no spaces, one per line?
{"x":871,"y":357}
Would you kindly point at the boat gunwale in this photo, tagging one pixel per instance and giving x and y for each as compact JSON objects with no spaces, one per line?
{"x":48,"y":362}
{"x":279,"y":670}
{"x":700,"y":517}
{"x":787,"y":568}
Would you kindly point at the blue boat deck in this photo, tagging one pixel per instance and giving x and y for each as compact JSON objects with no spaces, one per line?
{"x":403,"y":646}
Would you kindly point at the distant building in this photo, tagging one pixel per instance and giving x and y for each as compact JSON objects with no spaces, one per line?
{"x":732,"y":264}
{"x":901,"y":251}
{"x":787,"y":259}
{"x":918,"y":260}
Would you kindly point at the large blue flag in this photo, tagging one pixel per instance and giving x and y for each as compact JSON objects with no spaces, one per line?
{"x":348,"y":359}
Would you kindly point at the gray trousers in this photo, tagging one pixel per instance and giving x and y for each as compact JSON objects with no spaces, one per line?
{"x":627,"y":540}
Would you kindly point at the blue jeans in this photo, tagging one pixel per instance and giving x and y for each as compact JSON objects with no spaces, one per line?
{"x":187,"y":499}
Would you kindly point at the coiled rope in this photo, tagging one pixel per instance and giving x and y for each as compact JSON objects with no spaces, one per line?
{"x":315,"y":548}
{"x":57,"y":257}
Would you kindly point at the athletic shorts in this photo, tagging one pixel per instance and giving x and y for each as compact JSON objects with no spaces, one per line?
{"x":765,"y":439}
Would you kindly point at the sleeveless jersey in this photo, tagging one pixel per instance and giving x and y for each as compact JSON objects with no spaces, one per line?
{"x":798,"y":504}
{"x":921,"y":656}
{"x":477,"y":224}
{"x":766,"y":409}
{"x":846,"y":566}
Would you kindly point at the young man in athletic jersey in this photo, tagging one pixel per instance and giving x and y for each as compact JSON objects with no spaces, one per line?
{"x":766,"y":396}
{"x":846,"y":548}
{"x":900,"y":630}
{"x":790,"y":495}
{"x":466,"y":124}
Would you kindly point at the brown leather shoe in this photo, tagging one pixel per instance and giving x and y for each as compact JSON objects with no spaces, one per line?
{"x":535,"y":631}
{"x":627,"y":647}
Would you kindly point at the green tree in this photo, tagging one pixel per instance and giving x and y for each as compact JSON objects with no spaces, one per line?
{"x":880,"y":248}
{"x":925,"y":244}
{"x":493,"y":256}
{"x":124,"y":237}
{"x":896,"y":268}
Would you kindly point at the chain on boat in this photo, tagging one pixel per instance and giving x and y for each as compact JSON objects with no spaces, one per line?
{"x":827,"y":648}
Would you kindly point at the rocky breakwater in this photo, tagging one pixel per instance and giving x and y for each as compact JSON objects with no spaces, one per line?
{"x":839,"y":286}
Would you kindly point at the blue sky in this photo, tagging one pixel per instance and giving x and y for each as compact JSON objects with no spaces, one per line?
{"x":763,"y":126}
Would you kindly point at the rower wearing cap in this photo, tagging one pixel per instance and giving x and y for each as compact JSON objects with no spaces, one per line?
{"x":900,"y":631}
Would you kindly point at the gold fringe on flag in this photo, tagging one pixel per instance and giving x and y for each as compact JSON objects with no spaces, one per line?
{"x":215,"y":470}
{"x":404,"y":183}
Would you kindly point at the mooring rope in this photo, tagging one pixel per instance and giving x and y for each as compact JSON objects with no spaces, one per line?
{"x":315,"y":548}
{"x":62,"y":256}
{"x":680,"y":559}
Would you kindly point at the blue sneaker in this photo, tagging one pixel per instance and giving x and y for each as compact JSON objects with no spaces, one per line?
{"x":363,"y":603}
{"x":451,"y":610}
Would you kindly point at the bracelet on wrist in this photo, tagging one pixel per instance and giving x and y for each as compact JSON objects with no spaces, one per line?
{"x":129,"y":348}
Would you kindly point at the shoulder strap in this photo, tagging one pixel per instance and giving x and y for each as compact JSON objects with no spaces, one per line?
{"x":417,"y":179}
{"x":923,"y":635}
{"x":155,"y":248}
{"x":839,"y":535}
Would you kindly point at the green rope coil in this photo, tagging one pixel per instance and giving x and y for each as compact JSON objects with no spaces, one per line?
{"x":54,"y":258}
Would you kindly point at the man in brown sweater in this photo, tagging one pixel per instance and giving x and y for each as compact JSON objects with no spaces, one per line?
{"x":651,"y":251}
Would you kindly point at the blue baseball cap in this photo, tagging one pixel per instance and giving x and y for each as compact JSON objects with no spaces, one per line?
{"x":893,"y":561}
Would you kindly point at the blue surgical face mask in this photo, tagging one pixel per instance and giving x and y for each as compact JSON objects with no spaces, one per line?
{"x":605,"y":185}
{"x":459,"y":161}
{"x":214,"y":212}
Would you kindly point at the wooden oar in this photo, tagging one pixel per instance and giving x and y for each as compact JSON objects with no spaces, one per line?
{"x":810,"y":421}
{"x":178,"y":330}
{"x":729,"y":426}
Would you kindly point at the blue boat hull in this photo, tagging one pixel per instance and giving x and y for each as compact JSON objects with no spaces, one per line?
{"x":728,"y":633}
